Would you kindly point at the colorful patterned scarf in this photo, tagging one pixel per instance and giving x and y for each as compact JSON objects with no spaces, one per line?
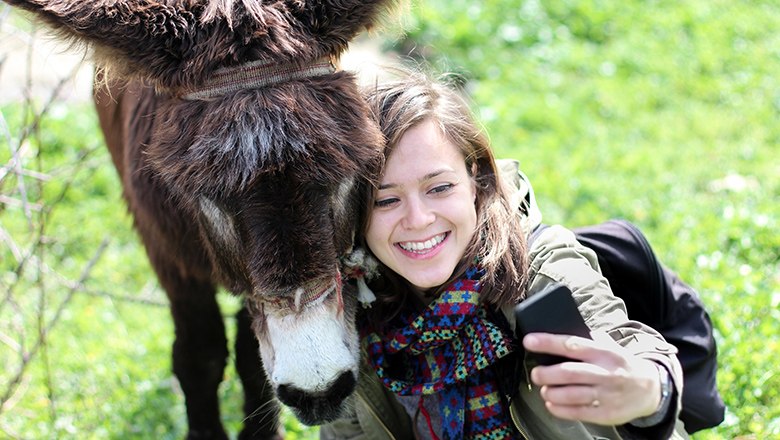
{"x":447,"y":349}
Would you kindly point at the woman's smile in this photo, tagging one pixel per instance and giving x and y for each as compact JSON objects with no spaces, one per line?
{"x":427,"y":248}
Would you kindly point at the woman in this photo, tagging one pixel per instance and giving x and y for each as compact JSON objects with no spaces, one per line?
{"x":451,"y":241}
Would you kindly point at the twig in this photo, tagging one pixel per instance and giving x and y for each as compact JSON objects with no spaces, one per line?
{"x":124,"y":298}
{"x":5,"y":200}
{"x":46,"y":212}
{"x":28,"y":357}
{"x":6,"y":237}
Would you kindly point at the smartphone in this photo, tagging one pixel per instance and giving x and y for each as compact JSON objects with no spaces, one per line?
{"x":552,"y":310}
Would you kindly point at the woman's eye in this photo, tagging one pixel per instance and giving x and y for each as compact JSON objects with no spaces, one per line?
{"x":383,"y":203}
{"x":441,"y":188}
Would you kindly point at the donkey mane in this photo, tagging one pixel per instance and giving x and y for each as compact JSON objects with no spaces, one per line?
{"x":261,"y":131}
{"x":230,"y":11}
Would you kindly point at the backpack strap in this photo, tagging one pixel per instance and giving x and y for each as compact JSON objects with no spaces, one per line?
{"x":629,"y":263}
{"x":534,"y":235}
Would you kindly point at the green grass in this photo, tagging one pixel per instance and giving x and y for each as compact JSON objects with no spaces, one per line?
{"x":661,"y":112}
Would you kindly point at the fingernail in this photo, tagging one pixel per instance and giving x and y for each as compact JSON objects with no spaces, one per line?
{"x":572,"y":344}
{"x":530,"y":341}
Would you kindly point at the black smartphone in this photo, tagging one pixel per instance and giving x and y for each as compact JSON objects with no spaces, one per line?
{"x":552,"y":310}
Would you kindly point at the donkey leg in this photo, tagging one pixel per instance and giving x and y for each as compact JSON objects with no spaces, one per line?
{"x":260,"y":405}
{"x":199,"y":353}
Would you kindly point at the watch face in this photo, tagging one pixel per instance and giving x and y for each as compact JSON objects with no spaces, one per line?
{"x":665,"y":382}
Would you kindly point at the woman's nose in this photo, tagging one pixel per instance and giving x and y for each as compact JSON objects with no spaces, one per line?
{"x":418,"y":215}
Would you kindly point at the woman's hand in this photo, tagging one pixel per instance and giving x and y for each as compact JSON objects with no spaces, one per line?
{"x":610,"y":386}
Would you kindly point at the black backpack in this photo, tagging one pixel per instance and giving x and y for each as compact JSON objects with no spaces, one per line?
{"x":656,"y":296}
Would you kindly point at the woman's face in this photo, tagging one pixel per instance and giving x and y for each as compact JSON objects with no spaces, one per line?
{"x":424,"y":215}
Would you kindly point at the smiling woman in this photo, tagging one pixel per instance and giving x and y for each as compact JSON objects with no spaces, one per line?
{"x":453,"y":261}
{"x":424,"y":216}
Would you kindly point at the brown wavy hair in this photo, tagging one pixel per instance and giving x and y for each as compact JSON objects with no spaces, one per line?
{"x":399,"y":104}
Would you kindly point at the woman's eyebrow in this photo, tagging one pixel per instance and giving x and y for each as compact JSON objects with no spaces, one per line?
{"x":428,"y":176}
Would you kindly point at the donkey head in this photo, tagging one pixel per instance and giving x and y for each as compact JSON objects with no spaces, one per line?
{"x":266,"y":145}
{"x":276,"y":232}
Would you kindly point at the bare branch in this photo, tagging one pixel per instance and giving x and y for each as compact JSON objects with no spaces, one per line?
{"x":13,"y":384}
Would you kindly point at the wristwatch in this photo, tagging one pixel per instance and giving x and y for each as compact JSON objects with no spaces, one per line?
{"x":666,"y":387}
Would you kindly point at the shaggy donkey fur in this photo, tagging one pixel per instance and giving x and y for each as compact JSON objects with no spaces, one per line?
{"x":256,"y":190}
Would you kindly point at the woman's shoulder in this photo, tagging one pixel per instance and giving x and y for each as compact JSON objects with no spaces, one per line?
{"x":555,"y":248}
{"x":556,"y":257}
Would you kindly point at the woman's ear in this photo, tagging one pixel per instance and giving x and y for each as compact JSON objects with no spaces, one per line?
{"x":473,"y":182}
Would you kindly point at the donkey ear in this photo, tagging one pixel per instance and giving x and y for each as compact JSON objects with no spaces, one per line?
{"x":141,"y":36}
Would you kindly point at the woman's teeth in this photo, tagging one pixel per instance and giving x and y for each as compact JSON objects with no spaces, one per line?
{"x":417,"y":246}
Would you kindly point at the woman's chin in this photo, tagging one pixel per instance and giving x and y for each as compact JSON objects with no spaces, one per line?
{"x":423,"y":283}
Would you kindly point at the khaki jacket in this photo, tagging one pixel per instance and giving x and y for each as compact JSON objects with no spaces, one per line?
{"x":556,"y":257}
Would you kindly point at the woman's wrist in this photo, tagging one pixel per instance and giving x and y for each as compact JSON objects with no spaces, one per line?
{"x":664,"y":404}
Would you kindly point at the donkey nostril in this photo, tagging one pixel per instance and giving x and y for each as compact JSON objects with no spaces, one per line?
{"x":338,"y":390}
{"x":290,"y":395}
{"x":343,"y":386}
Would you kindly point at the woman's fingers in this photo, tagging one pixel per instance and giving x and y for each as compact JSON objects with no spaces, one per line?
{"x":570,"y":373}
{"x":575,"y":395}
{"x":607,"y":386}
{"x":587,"y":403}
{"x":594,"y":413}
{"x":603,"y":351}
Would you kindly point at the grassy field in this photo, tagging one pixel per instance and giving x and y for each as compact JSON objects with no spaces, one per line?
{"x":664,"y":113}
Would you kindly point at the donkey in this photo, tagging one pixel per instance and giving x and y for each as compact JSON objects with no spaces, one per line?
{"x":243,"y":153}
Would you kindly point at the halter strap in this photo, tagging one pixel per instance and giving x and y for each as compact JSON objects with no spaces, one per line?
{"x":310,"y":294}
{"x":257,"y":74}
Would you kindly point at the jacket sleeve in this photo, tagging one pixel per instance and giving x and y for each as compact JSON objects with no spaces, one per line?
{"x":557,"y":257}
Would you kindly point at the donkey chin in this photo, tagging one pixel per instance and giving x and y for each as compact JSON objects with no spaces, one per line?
{"x":310,"y":352}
